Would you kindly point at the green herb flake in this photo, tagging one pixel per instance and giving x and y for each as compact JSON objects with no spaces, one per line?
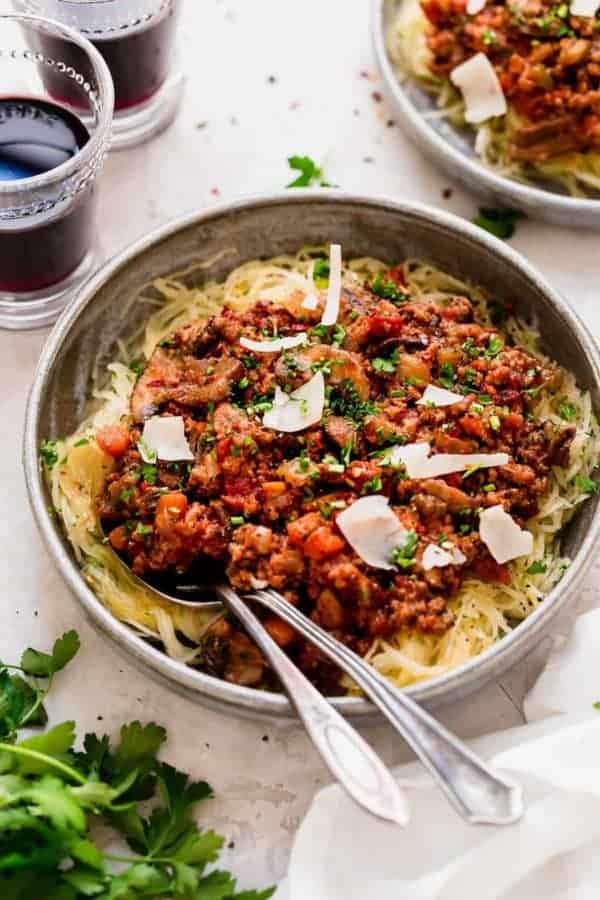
{"x":567,"y":410}
{"x":388,"y":364}
{"x":536,"y":568}
{"x":49,"y":453}
{"x":149,"y":473}
{"x":237,"y":520}
{"x":495,"y":346}
{"x":404,"y":556}
{"x":388,"y":289}
{"x":83,"y":442}
{"x":494,"y":423}
{"x":138,"y":366}
{"x":499,"y":222}
{"x":585,"y":484}
{"x":310,"y":173}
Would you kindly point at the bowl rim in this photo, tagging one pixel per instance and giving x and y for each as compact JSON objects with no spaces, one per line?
{"x":207,"y":689}
{"x":523,"y":196}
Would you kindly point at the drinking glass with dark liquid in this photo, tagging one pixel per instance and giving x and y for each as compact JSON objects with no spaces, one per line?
{"x":50,"y":156}
{"x":137,"y":41}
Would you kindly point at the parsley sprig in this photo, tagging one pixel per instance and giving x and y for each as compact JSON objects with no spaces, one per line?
{"x":311,"y":174}
{"x":51,"y":793}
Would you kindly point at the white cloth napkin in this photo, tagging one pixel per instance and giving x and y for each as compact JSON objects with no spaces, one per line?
{"x":342,"y":853}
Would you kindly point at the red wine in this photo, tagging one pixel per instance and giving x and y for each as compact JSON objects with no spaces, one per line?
{"x":40,"y":250}
{"x":139,"y":59}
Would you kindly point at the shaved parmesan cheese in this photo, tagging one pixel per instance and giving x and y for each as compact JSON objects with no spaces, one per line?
{"x":437,"y":396}
{"x":164,"y":438}
{"x":334,"y":291}
{"x":475,"y":6}
{"x":419,"y":464}
{"x":311,"y":301}
{"x":502,"y":536}
{"x":586,"y":8}
{"x":477,"y":80}
{"x":298,"y":410}
{"x":437,"y":558}
{"x":259,"y":584}
{"x":373,"y":530}
{"x":276,"y":345}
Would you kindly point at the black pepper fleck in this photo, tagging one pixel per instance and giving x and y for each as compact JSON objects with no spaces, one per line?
{"x":272,"y":79}
{"x":265,"y":738}
{"x":377,"y":96}
{"x":447,"y":193}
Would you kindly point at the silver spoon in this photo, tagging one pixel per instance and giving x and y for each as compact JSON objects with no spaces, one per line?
{"x":479,"y":795}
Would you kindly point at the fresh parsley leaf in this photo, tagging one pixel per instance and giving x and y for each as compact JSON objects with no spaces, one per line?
{"x":345,"y":401}
{"x":447,"y":375}
{"x":499,"y":222}
{"x":495,"y":346}
{"x":49,"y":453}
{"x":536,"y":568}
{"x":310,"y":172}
{"x":387,"y":364}
{"x":43,"y":665}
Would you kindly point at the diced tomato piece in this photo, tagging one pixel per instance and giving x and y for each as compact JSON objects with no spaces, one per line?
{"x":169,"y":509}
{"x":282,"y":633}
{"x":235,"y":493}
{"x":299,"y":530}
{"x":513,"y":422}
{"x":322,"y":544}
{"x":386,"y":326}
{"x":223,"y":447}
{"x":114,"y":440}
{"x":119,"y":538}
{"x":489,"y":570}
{"x":397,"y":276}
{"x":473,"y":425}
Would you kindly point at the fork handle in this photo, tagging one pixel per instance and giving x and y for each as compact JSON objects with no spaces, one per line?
{"x":478,"y":794}
{"x":346,"y":754}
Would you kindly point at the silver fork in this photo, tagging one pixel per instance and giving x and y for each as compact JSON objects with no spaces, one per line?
{"x":478,"y":794}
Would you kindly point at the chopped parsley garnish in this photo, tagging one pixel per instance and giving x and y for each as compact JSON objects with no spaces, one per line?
{"x":495,"y":346}
{"x":339,"y":336}
{"x":471,"y":349}
{"x":373,"y":486}
{"x":344,"y":401}
{"x":488,"y":37}
{"x":143,"y":530}
{"x":404,"y":556}
{"x":447,"y":375}
{"x":138,"y":366}
{"x":291,"y":363}
{"x":243,"y":383}
{"x":346,"y":453}
{"x":387,"y":364}
{"x":311,"y":174}
{"x":237,"y":520}
{"x":488,"y":488}
{"x":494,"y":423}
{"x":567,"y":410}
{"x":388,"y":289}
{"x":126,"y":495}
{"x":83,"y":442}
{"x":147,"y":452}
{"x":149,"y":473}
{"x":536,"y":568}
{"x":499,"y":222}
{"x":469,"y":377}
{"x":585,"y":484}
{"x":321,"y":270}
{"x":320,"y":331}
{"x":250,"y":362}
{"x":49,"y":453}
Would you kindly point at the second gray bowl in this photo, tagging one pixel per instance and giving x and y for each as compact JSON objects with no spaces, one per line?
{"x":452,"y":149}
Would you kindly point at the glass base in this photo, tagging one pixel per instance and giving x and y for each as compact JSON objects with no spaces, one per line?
{"x":37,"y":309}
{"x":140,"y":124}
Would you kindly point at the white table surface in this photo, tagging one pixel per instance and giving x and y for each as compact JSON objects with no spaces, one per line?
{"x":267,"y":78}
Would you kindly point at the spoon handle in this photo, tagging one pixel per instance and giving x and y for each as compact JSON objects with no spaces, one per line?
{"x":477,"y":793}
{"x":346,"y":754}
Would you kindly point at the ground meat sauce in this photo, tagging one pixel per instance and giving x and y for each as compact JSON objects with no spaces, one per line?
{"x":547,"y":60}
{"x":262,"y":506}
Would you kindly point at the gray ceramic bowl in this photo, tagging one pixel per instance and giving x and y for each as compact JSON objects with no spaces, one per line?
{"x":452,"y":148}
{"x":263,"y":227}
